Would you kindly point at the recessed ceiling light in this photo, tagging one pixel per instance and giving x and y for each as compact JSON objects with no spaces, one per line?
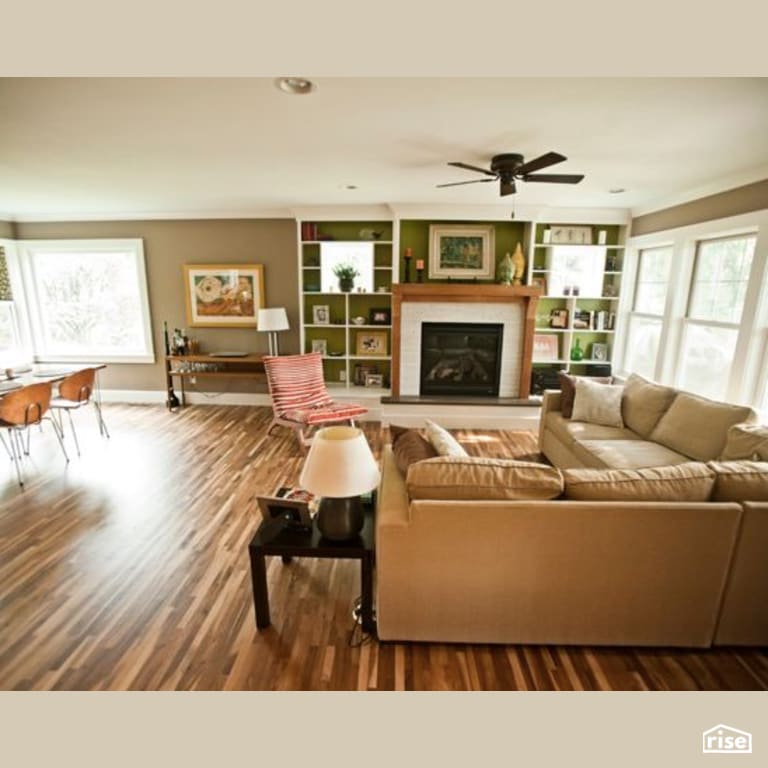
{"x":298,"y":86}
{"x":617,"y":190}
{"x":350,"y":186}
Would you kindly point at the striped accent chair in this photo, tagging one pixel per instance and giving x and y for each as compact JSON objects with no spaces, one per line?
{"x":300,"y":399}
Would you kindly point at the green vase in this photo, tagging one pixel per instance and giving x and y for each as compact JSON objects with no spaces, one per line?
{"x":577,"y":353}
{"x":346,"y":284}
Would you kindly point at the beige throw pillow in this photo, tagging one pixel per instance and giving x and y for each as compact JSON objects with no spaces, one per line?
{"x":746,"y":441}
{"x":597,"y":403}
{"x":644,"y":403}
{"x":470,"y":478}
{"x":740,"y":480}
{"x":692,"y":481}
{"x":442,"y":440}
{"x":697,"y":427}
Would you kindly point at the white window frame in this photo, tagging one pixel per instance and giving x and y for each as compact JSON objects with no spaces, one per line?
{"x":748,"y":378}
{"x":26,"y":250}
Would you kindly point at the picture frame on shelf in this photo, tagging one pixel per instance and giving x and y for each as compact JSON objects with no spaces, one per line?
{"x":546,"y":347}
{"x":599,"y":352}
{"x":321,"y":314}
{"x":293,"y":506}
{"x":360,"y":373}
{"x":374,"y":380}
{"x":372,"y":343}
{"x":223,"y":295}
{"x":458,"y":251}
{"x":564,"y":234}
{"x":558,"y":318}
{"x":540,"y":282}
{"x":380,"y":316}
{"x":321,"y":346}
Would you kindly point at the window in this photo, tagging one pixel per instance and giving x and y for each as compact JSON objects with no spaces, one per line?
{"x":716,"y":302}
{"x":576,"y":266}
{"x":645,"y":320}
{"x":87,"y":300}
{"x":359,"y":255}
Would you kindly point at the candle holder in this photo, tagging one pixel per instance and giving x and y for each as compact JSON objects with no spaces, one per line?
{"x":407,"y":274}
{"x":419,"y":274}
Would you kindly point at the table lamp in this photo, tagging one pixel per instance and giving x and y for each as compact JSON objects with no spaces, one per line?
{"x":272,"y":320}
{"x":340,"y":467}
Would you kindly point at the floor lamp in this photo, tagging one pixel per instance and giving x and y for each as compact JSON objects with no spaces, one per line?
{"x":273,"y":320}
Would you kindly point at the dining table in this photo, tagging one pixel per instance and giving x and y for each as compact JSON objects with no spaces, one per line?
{"x":53,"y":373}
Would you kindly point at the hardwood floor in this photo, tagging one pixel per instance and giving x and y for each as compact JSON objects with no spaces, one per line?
{"x":128,"y":569}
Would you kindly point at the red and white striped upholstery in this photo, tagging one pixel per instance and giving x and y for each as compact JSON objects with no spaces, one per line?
{"x":298,"y":391}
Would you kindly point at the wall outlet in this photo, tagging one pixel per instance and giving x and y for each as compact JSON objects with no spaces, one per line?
{"x":193,"y":379}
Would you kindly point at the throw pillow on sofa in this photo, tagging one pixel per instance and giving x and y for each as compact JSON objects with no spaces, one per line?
{"x":443,"y":441}
{"x":408,"y":447}
{"x":474,"y":478}
{"x":598,"y":403}
{"x":697,"y":427}
{"x":740,"y":480}
{"x":568,"y":390}
{"x":644,"y":403}
{"x":746,"y":441}
{"x":692,"y":481}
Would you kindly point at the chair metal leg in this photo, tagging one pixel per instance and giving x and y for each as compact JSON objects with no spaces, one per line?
{"x":102,"y":424}
{"x":74,"y":432}
{"x":271,"y":426}
{"x":5,"y":445}
{"x":60,"y":438}
{"x":16,"y":456}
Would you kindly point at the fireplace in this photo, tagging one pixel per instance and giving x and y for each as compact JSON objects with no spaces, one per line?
{"x":461,"y":358}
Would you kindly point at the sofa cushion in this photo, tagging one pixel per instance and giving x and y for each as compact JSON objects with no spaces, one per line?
{"x":568,"y":390}
{"x":644,"y":403}
{"x":597,"y":403}
{"x":470,"y":477}
{"x":443,"y":441}
{"x":630,"y":454}
{"x":740,"y":480}
{"x":746,"y":441}
{"x":684,"y":482}
{"x":697,"y":427}
{"x":408,"y":447}
{"x":568,"y":431}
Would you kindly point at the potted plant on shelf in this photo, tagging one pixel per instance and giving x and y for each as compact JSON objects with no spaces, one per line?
{"x":346,"y":274}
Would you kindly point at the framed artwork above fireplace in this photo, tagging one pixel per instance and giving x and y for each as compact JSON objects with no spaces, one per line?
{"x":457,"y":251}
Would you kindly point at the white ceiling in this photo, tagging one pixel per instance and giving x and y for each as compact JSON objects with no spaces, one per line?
{"x":80,"y":148}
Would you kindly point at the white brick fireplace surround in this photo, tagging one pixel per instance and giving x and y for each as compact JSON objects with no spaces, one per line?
{"x":416,"y":303}
{"x":414,"y":314}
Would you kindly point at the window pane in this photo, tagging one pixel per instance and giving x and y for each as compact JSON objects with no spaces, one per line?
{"x":652,"y":280}
{"x":642,"y":346}
{"x":89,"y":302}
{"x":706,"y":360}
{"x":720,"y":279}
{"x":359,"y":255}
{"x":576,"y":266}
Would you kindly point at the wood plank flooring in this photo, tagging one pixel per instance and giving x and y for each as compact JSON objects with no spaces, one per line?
{"x":128,"y":569}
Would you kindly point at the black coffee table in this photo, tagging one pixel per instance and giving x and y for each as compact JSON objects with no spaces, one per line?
{"x":275,"y":538}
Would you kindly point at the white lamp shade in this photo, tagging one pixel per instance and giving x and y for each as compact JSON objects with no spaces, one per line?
{"x":340,"y":464}
{"x":273,"y":319}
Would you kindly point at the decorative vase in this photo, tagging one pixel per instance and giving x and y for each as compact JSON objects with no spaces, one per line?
{"x":518,"y":260}
{"x":577,"y":353}
{"x":506,"y":270}
{"x":346,"y":284}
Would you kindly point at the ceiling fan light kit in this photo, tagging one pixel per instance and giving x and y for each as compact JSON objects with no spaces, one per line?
{"x":511,"y":167}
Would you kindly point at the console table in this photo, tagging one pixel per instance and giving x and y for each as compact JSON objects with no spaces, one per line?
{"x":187,"y":366}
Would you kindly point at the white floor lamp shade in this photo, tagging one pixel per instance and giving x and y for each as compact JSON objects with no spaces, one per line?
{"x":339,"y":468}
{"x":272,"y":320}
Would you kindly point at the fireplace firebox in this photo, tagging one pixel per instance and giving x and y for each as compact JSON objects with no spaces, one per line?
{"x":461,"y":359}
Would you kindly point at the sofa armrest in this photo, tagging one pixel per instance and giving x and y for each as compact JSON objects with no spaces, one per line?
{"x":550,"y":402}
{"x":392,"y":503}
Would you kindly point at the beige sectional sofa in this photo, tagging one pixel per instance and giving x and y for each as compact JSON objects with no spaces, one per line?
{"x":463,"y":557}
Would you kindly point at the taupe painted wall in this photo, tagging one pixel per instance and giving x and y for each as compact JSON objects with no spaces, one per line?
{"x":751,"y":197}
{"x":7,"y":230}
{"x":168,"y":245}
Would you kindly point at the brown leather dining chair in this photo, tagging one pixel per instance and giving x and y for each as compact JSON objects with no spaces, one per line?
{"x":20,"y":410}
{"x":76,"y":391}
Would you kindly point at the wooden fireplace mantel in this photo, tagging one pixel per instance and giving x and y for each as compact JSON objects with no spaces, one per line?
{"x":467,"y":293}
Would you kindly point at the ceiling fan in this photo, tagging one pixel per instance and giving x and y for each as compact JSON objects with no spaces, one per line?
{"x":506,"y":168}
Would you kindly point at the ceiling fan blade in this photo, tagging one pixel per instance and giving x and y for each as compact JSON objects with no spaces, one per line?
{"x":508,"y":187}
{"x":551,"y":158}
{"x":556,"y":178}
{"x":473,"y":168}
{"x":458,"y":183}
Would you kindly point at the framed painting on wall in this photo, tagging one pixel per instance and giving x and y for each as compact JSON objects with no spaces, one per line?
{"x":223,"y":295}
{"x":461,"y":251}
